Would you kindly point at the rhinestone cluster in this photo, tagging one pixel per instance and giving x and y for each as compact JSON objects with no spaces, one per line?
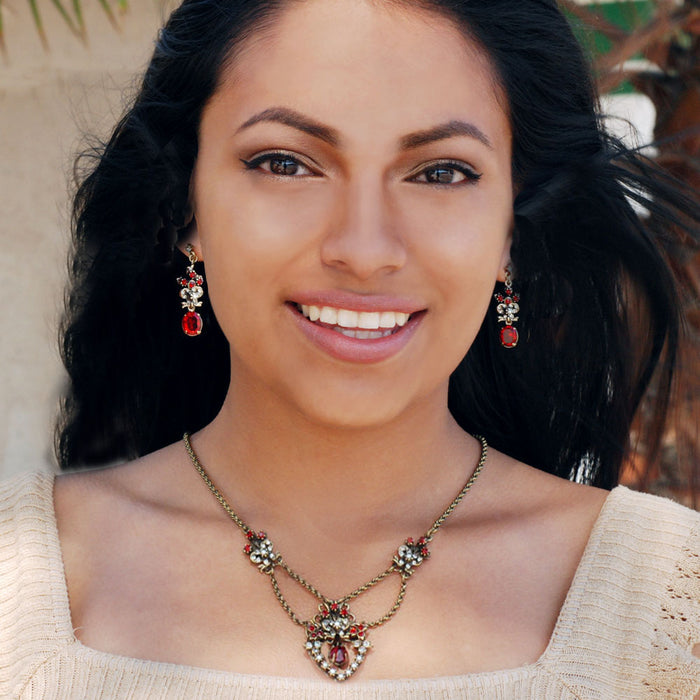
{"x":410,"y":555}
{"x":260,"y":550}
{"x":191,"y":291}
{"x":507,"y":308}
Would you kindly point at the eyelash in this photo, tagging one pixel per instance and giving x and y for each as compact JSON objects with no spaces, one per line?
{"x":255,"y":163}
{"x":470,"y":175}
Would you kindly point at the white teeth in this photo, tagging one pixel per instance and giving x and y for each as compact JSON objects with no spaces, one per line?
{"x":362,"y":335}
{"x":329,"y":315}
{"x":348,"y":319}
{"x":368,"y":319}
{"x":387,"y":319}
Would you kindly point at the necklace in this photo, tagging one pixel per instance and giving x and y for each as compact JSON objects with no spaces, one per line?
{"x":335,"y":641}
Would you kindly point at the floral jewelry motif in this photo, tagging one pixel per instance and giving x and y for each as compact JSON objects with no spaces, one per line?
{"x":261,"y":552}
{"x":411,"y":555}
{"x":191,"y":293}
{"x":332,"y":636}
{"x":507,"y":309}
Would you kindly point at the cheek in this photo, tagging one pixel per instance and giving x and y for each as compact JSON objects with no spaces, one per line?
{"x":249,"y":235}
{"x":461,"y":239}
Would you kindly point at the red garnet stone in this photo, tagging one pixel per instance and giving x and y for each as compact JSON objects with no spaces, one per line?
{"x":509,"y":336}
{"x":192,"y":323}
{"x":338,"y":656}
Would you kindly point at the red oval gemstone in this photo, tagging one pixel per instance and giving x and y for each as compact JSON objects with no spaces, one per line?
{"x":338,"y":656}
{"x":509,"y":336}
{"x":192,"y":323}
{"x":247,"y":549}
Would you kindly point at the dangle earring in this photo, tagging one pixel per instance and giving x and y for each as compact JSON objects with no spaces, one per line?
{"x":191,"y":294}
{"x":507,"y":309}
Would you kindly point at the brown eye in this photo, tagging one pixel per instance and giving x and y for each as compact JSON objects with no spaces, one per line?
{"x":447,"y":173}
{"x":443,"y":176}
{"x":279,"y":164}
{"x":283,"y":166}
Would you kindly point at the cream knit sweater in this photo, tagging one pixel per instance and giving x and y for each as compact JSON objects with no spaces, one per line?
{"x":626,"y":630}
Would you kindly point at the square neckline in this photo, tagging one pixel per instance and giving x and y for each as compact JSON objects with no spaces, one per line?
{"x":562,"y":631}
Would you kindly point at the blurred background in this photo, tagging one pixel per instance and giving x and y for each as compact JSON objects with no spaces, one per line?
{"x":68,"y":69}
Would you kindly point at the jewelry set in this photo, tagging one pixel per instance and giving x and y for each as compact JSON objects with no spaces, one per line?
{"x":335,"y":641}
{"x":191,"y":292}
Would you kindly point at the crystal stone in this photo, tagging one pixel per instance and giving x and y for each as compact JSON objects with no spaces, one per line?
{"x":509,"y":336}
{"x":192,"y":323}
{"x":338,"y":656}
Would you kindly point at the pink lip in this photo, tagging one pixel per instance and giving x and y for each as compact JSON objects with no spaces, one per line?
{"x":360,"y":351}
{"x":357,"y":302}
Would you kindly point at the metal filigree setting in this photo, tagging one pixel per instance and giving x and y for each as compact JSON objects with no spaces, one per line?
{"x":410,"y":555}
{"x":261,"y":551}
{"x":335,"y":642}
{"x":507,"y":308}
{"x":192,"y":291}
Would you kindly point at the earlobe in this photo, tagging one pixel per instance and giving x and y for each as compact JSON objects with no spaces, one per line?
{"x":190,"y":236}
{"x":505,"y":261}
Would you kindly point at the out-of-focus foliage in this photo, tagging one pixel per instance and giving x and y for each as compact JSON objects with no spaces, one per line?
{"x":71,"y":12}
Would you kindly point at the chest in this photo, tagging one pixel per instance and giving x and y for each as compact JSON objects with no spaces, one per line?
{"x":479,"y":603}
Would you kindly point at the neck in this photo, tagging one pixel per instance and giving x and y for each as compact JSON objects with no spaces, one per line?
{"x":277,"y":467}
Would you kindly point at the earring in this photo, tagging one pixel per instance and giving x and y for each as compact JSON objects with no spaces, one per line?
{"x":507,"y":309}
{"x":191,"y":294}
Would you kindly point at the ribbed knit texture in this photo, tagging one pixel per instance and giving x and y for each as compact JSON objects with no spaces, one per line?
{"x":626,"y":630}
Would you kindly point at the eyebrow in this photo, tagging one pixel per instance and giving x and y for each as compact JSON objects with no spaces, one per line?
{"x":444,"y":131}
{"x":290,"y":117}
{"x":295,"y":119}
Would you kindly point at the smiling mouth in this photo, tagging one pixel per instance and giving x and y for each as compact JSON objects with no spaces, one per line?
{"x":364,"y":325}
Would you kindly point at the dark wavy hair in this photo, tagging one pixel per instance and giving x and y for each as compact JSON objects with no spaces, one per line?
{"x":599,"y":306}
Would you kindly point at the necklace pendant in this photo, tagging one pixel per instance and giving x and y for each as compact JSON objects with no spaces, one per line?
{"x":335,"y":642}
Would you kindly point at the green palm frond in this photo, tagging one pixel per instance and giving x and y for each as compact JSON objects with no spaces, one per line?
{"x":73,"y":17}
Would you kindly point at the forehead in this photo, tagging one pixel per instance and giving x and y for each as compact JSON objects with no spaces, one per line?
{"x":366,"y":66}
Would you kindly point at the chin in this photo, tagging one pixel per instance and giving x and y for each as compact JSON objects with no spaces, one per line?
{"x":366,"y":410}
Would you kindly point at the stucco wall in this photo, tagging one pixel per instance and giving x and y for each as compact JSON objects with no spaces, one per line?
{"x":48,"y":101}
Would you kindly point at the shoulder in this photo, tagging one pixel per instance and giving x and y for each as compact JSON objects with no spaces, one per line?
{"x":26,"y":506}
{"x":637,"y":596}
{"x":656,"y":532}
{"x":31,"y":578}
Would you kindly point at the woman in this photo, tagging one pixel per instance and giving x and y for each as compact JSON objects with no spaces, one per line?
{"x":352,"y":182}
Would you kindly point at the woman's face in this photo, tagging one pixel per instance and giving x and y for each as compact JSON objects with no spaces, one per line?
{"x":355,"y":162}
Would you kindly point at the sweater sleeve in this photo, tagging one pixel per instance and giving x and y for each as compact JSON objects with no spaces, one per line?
{"x":30,"y":580}
{"x":673,"y":669}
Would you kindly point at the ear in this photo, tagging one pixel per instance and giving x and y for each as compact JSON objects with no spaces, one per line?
{"x":190,"y":236}
{"x":505,"y":256}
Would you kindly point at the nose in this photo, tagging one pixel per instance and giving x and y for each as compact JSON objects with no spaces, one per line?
{"x":362,"y":239}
